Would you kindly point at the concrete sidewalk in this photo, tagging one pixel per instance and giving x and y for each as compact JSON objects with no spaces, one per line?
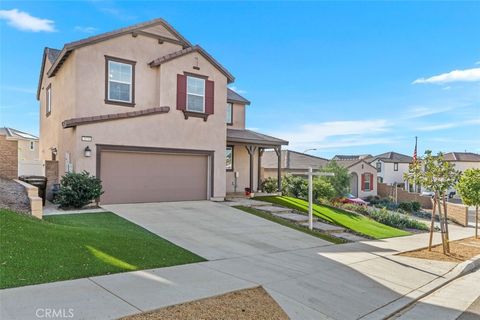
{"x":308,"y":277}
{"x":459,"y":299}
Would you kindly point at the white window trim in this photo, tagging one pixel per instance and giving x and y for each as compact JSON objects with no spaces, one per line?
{"x":49,"y":99}
{"x":229,"y":107}
{"x":124,"y":82}
{"x":196,"y":94}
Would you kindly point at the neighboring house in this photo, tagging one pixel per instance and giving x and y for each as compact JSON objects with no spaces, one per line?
{"x":292,"y":162}
{"x":391,"y":167}
{"x":463,"y":160}
{"x":148,"y":113}
{"x":363,"y":177}
{"x":19,"y":152}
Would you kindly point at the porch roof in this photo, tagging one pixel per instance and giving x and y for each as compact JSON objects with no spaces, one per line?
{"x":252,"y":137}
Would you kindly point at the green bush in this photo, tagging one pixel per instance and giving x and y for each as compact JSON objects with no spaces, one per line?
{"x":406,"y":206}
{"x":354,"y":207}
{"x":78,"y":190}
{"x":269,"y":185}
{"x":295,"y":186}
{"x":396,"y":220}
{"x":322,"y":189}
{"x":373,"y":199}
{"x":416,"y":206}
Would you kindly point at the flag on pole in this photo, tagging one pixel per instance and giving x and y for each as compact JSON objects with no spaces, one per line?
{"x":415,"y":151}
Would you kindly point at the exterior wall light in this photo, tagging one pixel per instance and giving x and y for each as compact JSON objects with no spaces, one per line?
{"x":87,"y":152}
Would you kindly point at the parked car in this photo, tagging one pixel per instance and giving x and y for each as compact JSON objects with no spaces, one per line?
{"x":350,"y":198}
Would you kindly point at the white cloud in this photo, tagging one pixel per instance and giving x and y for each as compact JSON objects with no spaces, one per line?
{"x":335,"y":134}
{"x":18,"y":89}
{"x":478,"y":62}
{"x":237,"y":90}
{"x":421,"y":111}
{"x":468,"y":75}
{"x":450,"y":125}
{"x":85,"y":29}
{"x":25,"y":22}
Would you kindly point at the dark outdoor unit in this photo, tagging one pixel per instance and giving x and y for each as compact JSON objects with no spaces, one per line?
{"x":38,"y":181}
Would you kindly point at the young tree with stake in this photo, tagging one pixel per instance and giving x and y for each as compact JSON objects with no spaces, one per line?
{"x":437,"y":175}
{"x":469,"y":189}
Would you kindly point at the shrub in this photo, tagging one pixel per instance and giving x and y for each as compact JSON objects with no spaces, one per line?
{"x":386,"y":203}
{"x":373,"y":199}
{"x":322,"y":189}
{"x":406,"y":206}
{"x":340,"y":181}
{"x":295,"y":186}
{"x":269,"y":185}
{"x":396,"y":220}
{"x":78,"y":190}
{"x":416,"y":206}
{"x":355,"y":208}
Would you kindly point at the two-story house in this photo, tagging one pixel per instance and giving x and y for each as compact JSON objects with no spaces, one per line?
{"x":148,"y":113}
{"x":391,"y":167}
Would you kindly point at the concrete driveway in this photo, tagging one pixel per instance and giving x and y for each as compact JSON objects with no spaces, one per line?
{"x":308,"y":277}
{"x":213,"y":230}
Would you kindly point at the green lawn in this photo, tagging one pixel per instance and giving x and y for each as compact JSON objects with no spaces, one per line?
{"x":78,"y":245}
{"x":289,"y":224}
{"x":355,"y":222}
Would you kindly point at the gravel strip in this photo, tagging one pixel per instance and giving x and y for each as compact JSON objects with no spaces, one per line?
{"x":13,"y":196}
{"x":245,"y":304}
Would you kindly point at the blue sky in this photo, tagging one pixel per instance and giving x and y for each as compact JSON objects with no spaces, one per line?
{"x":343,"y":77}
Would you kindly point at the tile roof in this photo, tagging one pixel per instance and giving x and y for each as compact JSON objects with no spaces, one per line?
{"x":232,"y":96}
{"x":462,"y":156}
{"x":16,"y":134}
{"x":249,"y":136}
{"x":52,"y":54}
{"x":70,"y":123}
{"x":292,"y":160}
{"x":195,"y":48}
{"x":393,"y":157}
{"x":343,"y":157}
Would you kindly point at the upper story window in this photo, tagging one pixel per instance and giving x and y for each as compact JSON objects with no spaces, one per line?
{"x":229,"y":158}
{"x":32,"y":145}
{"x":395,"y":166}
{"x":195,"y":94}
{"x":48,"y":100}
{"x":229,"y":113}
{"x":120,"y":82}
{"x":379,"y":166}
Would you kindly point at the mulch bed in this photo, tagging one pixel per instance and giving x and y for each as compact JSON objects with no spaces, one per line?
{"x":245,"y":304}
{"x":13,"y":196}
{"x":460,"y":250}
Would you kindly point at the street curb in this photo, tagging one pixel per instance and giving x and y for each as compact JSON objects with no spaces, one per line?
{"x":458,"y":271}
{"x":396,"y":308}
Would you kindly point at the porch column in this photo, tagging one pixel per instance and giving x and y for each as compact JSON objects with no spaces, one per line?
{"x":278,"y":151}
{"x":251,"y":152}
{"x":259,"y":167}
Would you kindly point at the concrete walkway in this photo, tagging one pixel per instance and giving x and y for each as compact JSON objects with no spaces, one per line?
{"x":308,"y":277}
{"x":459,"y":299}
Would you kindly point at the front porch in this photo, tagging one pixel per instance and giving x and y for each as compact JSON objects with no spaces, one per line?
{"x":244,"y":159}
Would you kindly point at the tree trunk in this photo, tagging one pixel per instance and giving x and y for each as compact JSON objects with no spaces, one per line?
{"x":445,"y":215}
{"x":476,"y":222}
{"x":442,"y":224}
{"x":432,"y":223}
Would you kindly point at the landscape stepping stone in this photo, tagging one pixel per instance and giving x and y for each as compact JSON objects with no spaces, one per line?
{"x":273,"y":209}
{"x":349,"y":236}
{"x":292,"y":216}
{"x":325,"y":227}
{"x":245,"y":202}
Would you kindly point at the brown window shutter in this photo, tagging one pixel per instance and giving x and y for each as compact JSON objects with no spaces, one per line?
{"x":363,"y":182}
{"x":371,"y":182}
{"x":209,"y":96}
{"x":181,"y":92}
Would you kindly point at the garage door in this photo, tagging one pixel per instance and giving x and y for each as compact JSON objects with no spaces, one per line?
{"x":129,"y":177}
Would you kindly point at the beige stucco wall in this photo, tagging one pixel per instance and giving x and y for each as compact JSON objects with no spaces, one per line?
{"x":241,"y":164}
{"x":361,"y":168}
{"x":238,"y":116}
{"x":388,"y":173}
{"x":64,"y":97}
{"x":153,"y":87}
{"x":24,"y":151}
{"x":464,"y":165}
